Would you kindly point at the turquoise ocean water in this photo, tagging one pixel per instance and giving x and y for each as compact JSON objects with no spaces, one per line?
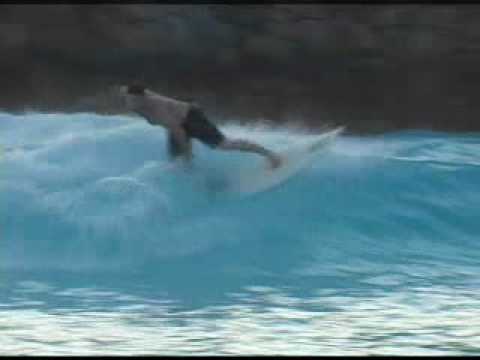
{"x":106,"y":249}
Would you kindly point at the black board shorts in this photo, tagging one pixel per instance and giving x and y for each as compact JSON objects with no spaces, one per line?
{"x":197,"y":126}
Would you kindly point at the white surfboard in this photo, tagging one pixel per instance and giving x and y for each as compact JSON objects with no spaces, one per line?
{"x":260,"y":178}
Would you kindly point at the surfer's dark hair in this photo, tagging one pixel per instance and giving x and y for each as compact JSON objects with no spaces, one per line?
{"x":136,"y":89}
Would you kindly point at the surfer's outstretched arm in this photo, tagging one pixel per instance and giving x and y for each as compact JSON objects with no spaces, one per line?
{"x":247,"y":146}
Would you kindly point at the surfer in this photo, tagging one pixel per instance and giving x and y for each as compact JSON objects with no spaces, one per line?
{"x":185,"y":121}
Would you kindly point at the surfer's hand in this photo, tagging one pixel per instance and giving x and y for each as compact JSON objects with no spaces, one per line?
{"x":275,"y":161}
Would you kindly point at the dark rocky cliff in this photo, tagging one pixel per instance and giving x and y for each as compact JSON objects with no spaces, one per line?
{"x":372,"y":67}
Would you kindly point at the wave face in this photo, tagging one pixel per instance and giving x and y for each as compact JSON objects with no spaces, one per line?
{"x":390,"y":221}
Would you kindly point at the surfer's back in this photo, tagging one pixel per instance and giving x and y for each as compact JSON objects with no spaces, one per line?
{"x":159,"y":109}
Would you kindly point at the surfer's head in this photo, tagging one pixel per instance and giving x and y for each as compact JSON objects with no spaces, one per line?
{"x":136,"y":89}
{"x":130,"y":95}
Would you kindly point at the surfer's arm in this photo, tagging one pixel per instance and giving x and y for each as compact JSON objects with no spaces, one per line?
{"x":247,"y":146}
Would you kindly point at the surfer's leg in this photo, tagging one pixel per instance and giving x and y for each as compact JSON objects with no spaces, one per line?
{"x":198,"y":126}
{"x":247,"y":146}
{"x":174,"y":149}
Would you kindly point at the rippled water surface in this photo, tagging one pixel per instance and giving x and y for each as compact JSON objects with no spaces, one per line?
{"x":108,"y":249}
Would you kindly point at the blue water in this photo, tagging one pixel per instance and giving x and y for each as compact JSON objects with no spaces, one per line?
{"x":105,"y":249}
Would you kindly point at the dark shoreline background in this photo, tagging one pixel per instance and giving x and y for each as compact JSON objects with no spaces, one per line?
{"x":371,"y":67}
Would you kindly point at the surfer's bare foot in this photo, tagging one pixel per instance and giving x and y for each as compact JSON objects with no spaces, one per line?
{"x":275,"y":161}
